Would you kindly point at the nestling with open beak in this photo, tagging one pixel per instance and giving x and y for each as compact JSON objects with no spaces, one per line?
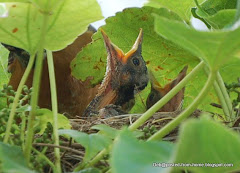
{"x":125,"y":73}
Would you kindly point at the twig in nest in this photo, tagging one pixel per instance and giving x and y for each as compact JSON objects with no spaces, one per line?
{"x":69,"y":145}
{"x":58,"y":146}
{"x":162,"y":119}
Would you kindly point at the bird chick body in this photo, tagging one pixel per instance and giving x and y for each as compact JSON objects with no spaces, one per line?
{"x":157,"y":92}
{"x":125,"y":73}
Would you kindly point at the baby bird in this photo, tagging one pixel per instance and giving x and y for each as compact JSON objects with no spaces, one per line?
{"x":157,"y":92}
{"x":125,"y":74}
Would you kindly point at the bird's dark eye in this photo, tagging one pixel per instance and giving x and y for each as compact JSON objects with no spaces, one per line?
{"x":136,"y":61}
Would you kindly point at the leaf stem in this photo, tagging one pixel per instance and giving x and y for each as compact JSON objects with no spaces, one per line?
{"x":166,"y":98}
{"x":98,"y":157}
{"x":35,"y":93}
{"x":222,"y":100}
{"x":225,"y":95}
{"x":23,"y":127}
{"x":202,"y":10}
{"x":187,"y":112}
{"x":54,"y":109}
{"x":16,"y":98}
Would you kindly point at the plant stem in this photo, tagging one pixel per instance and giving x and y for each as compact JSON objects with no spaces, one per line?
{"x":60,"y":147}
{"x":16,"y":98}
{"x":187,"y":112}
{"x":41,"y":155}
{"x":225,"y":95}
{"x":23,"y":126}
{"x":222,"y":100}
{"x":166,"y":98}
{"x":98,"y":157}
{"x":198,"y":6}
{"x":152,"y":110}
{"x":35,"y":93}
{"x":54,"y":109}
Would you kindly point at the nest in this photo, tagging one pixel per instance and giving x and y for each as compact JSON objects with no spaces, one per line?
{"x":73,"y":153}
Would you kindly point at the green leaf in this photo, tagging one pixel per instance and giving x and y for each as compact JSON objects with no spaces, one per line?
{"x":222,"y":19}
{"x":45,"y":116}
{"x":92,"y":143}
{"x":111,"y":132}
{"x":4,"y":76}
{"x":215,"y":48}
{"x":131,"y":155}
{"x":205,"y":141}
{"x":89,"y":170}
{"x":218,"y":14}
{"x":213,"y":6}
{"x":181,"y":7}
{"x":67,"y":20}
{"x":106,"y":130}
{"x":12,"y":159}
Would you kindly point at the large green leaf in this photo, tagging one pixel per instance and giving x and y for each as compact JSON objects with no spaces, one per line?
{"x":93,"y":143}
{"x":215,"y":48}
{"x":205,"y":141}
{"x":131,"y":155}
{"x":12,"y":159}
{"x":181,"y":7}
{"x":45,"y":116}
{"x":67,"y":20}
{"x":4,"y":76}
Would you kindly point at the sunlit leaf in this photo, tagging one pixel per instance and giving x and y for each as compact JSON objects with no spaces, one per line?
{"x":67,"y":20}
{"x":45,"y":116}
{"x":181,"y":7}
